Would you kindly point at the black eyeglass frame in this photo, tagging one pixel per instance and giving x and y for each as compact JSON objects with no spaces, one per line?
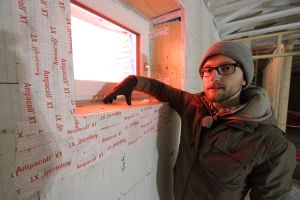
{"x":217,"y":69}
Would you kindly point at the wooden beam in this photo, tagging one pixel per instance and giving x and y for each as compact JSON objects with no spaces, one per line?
{"x":236,"y":6}
{"x":252,"y":12}
{"x":270,"y":35}
{"x":295,"y":53}
{"x":290,"y":26}
{"x":224,"y":2}
{"x":230,"y":31}
{"x":238,"y":13}
{"x":253,"y":20}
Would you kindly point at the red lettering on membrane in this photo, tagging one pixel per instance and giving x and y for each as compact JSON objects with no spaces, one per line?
{"x":44,"y":12}
{"x":34,"y":178}
{"x":71,"y":144}
{"x":23,"y":19}
{"x":28,"y":98}
{"x":33,"y":38}
{"x":86,"y":163}
{"x":68,"y":21}
{"x":67,"y":90}
{"x":113,"y":114}
{"x":20,"y":134}
{"x":79,"y":129}
{"x":104,"y":139}
{"x":52,"y":30}
{"x":32,"y":119}
{"x":58,"y":118}
{"x":46,"y":82}
{"x":61,"y":4}
{"x":54,"y":45}
{"x":32,"y":165}
{"x":64,"y":71}
{"x":50,"y":105}
{"x":88,"y":138}
{"x":57,"y":167}
{"x":59,"y":127}
{"x":22,"y":6}
{"x":58,"y":155}
{"x":45,"y":3}
{"x":73,"y":102}
{"x":36,"y":53}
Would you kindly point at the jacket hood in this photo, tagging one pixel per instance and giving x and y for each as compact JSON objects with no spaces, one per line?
{"x":255,"y":107}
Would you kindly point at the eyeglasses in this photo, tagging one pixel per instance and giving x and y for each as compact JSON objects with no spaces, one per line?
{"x":225,"y":69}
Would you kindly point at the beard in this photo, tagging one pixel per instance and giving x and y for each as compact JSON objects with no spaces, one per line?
{"x":216,"y":92}
{"x":220,"y":94}
{"x":216,"y":96}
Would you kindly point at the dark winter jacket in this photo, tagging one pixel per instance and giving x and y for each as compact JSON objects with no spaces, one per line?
{"x":223,"y":155}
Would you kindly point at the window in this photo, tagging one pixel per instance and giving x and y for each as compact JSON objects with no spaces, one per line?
{"x":103,"y":52}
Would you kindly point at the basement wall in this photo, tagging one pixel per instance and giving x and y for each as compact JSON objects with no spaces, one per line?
{"x":50,"y":151}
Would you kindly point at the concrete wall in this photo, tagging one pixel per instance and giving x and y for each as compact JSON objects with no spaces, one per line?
{"x":140,"y":170}
{"x":200,"y":33}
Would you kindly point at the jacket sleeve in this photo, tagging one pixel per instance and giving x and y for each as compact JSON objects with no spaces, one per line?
{"x":178,"y":99}
{"x":272,"y":179}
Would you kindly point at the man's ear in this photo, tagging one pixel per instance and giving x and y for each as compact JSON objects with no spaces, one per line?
{"x":244,"y":83}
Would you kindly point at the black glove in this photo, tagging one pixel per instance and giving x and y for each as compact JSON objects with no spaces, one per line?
{"x":124,"y":88}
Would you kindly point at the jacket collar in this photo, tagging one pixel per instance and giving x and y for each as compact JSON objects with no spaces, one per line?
{"x":255,"y":108}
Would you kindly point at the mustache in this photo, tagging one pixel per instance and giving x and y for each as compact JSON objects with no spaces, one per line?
{"x":215,"y":86}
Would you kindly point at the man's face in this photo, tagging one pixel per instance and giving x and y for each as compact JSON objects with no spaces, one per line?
{"x":219,"y":88}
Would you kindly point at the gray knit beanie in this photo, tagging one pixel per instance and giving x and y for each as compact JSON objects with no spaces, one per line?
{"x":236,"y":51}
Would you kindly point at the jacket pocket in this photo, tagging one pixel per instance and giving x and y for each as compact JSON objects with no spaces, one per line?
{"x":227,"y":163}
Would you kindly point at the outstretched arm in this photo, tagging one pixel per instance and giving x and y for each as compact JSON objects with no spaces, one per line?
{"x":123,"y":88}
{"x":177,"y":98}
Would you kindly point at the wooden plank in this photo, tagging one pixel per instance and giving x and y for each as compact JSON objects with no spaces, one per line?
{"x":261,"y":18}
{"x":153,"y":8}
{"x":297,"y":53}
{"x":270,"y":35}
{"x":236,"y":6}
{"x":276,"y":80}
{"x":238,"y":13}
{"x":228,"y":32}
{"x":167,"y":54}
{"x":284,"y":91}
{"x":290,"y":26}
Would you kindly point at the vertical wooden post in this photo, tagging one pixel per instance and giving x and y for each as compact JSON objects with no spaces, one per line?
{"x":276,"y":81}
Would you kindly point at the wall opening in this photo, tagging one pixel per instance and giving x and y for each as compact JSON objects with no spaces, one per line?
{"x":104,"y":53}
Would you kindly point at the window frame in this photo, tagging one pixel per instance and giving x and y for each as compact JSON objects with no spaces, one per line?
{"x":138,"y":35}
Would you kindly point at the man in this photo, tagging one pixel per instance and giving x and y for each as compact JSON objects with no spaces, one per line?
{"x":228,"y":143}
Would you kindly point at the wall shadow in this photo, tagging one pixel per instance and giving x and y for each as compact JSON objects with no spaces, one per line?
{"x":168,"y":134}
